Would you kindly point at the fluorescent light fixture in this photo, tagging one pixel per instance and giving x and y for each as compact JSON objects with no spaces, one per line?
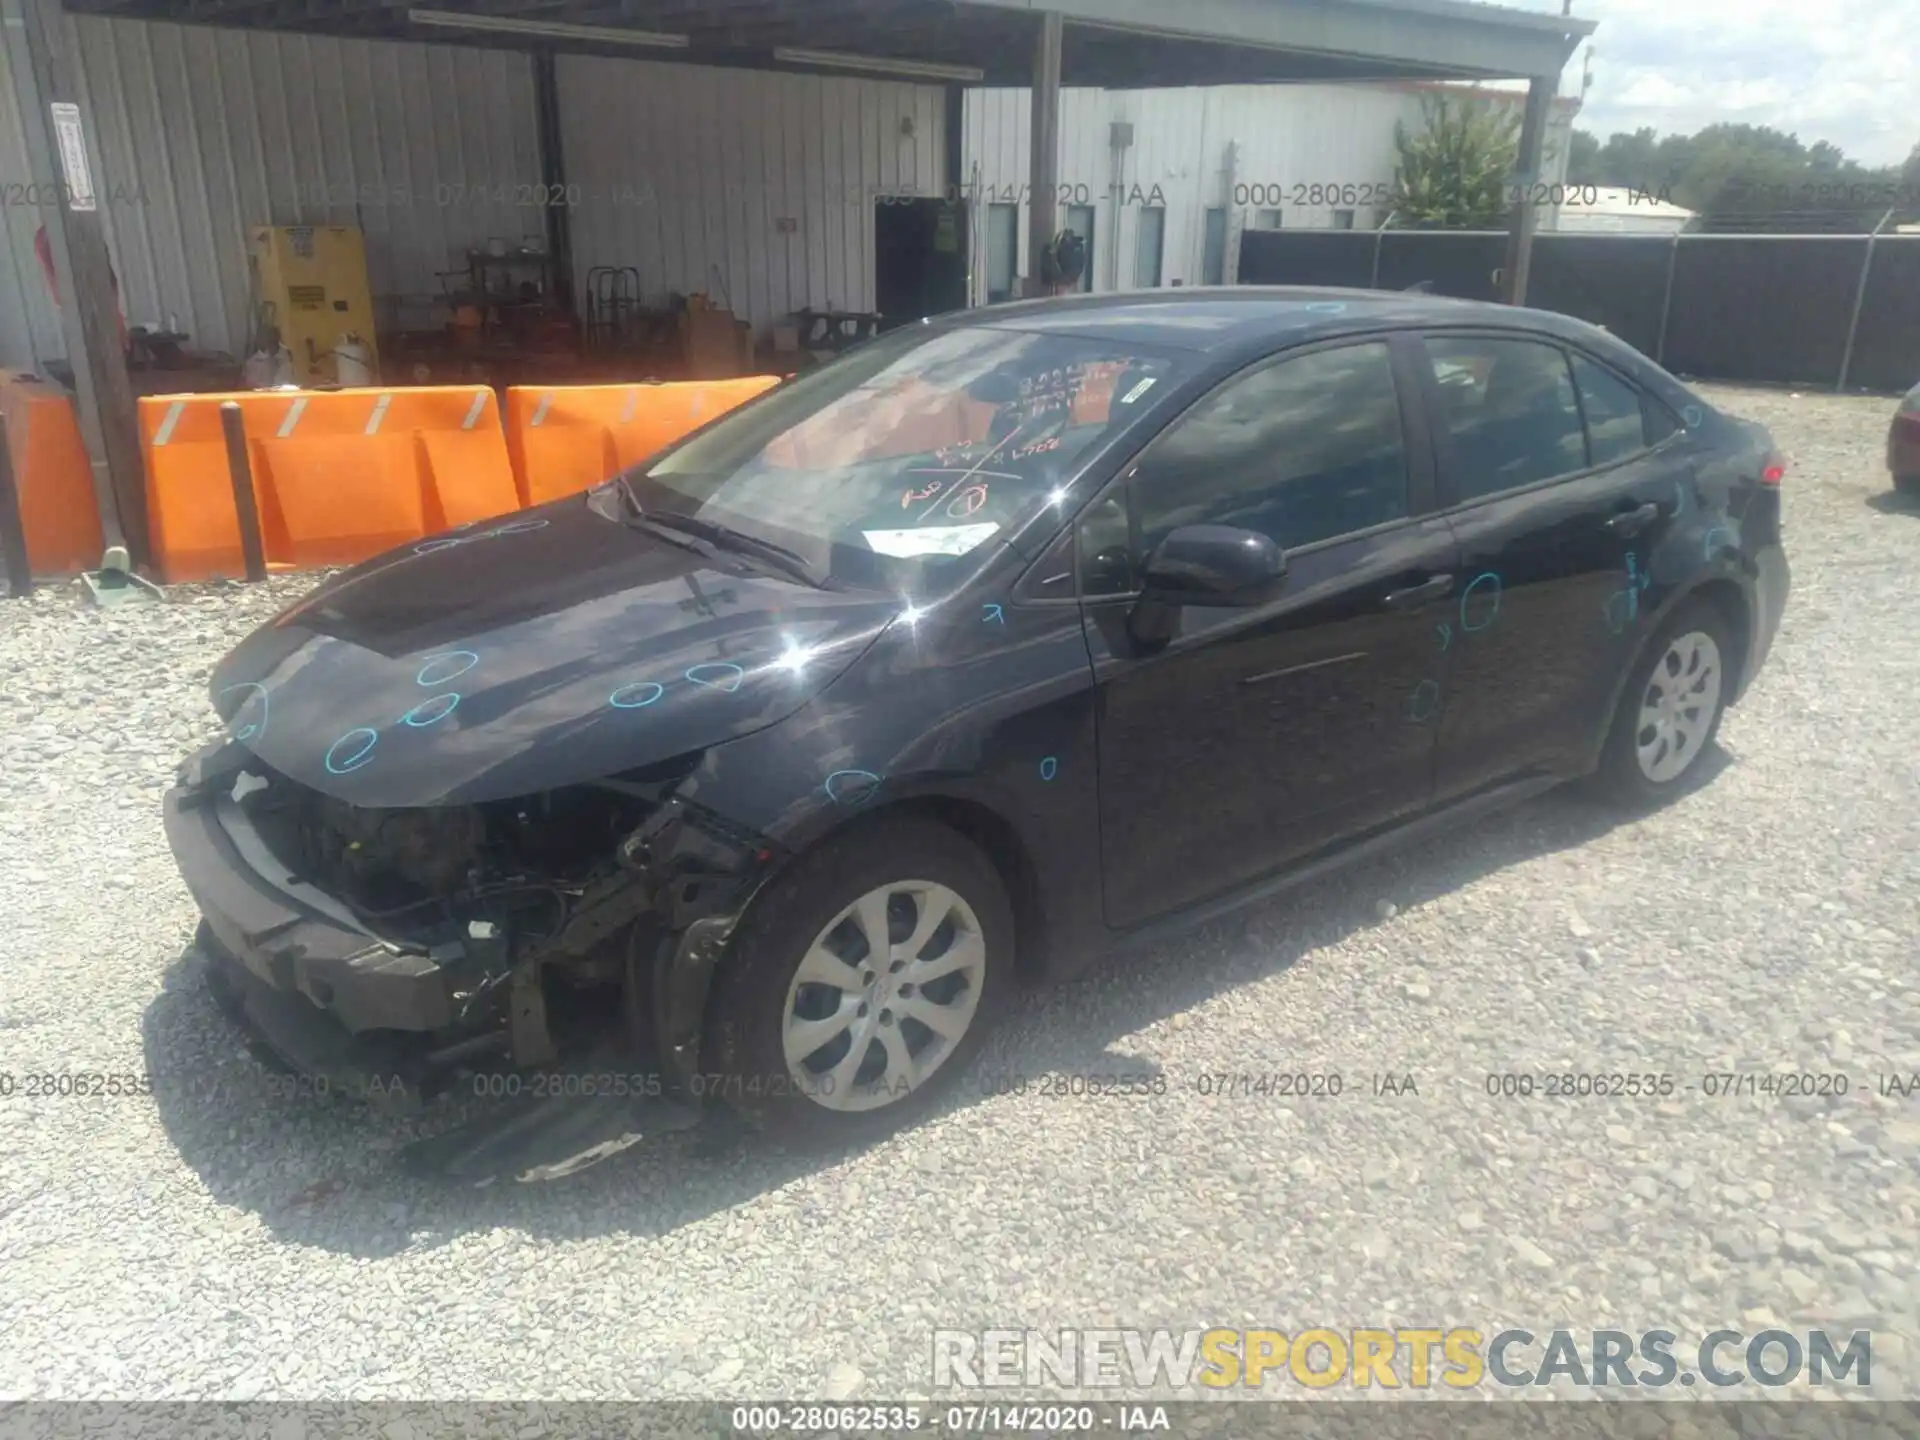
{"x":506,"y":25}
{"x":878,"y":64}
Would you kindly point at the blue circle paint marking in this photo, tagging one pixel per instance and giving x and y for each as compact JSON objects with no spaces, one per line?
{"x":1692,"y":416}
{"x":1485,"y":578}
{"x":1720,"y":533}
{"x":851,"y":787}
{"x":343,"y":765}
{"x":1622,"y":607}
{"x":1049,"y":767}
{"x":448,"y":665}
{"x":1423,"y":702}
{"x":1327,"y":307}
{"x":253,"y":727}
{"x":441,"y":706}
{"x":635,"y":696}
{"x":1619,"y":609}
{"x":719,"y":675}
{"x":513,"y":527}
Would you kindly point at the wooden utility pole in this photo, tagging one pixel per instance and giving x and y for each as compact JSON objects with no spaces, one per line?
{"x":1521,"y":220}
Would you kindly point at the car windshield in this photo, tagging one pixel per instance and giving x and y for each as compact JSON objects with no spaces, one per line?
{"x":887,"y":468}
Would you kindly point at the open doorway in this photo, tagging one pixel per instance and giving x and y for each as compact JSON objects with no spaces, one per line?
{"x":920,"y":258}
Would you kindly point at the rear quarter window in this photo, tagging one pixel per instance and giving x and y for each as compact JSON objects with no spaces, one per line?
{"x":1615,"y":411}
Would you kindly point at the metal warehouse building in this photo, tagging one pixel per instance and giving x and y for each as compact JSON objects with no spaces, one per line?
{"x":760,"y":182}
{"x":1161,"y":182}
{"x":749,"y":150}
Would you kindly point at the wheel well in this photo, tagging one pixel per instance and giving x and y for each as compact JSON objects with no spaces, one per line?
{"x":1007,"y":853}
{"x":1727,"y":598}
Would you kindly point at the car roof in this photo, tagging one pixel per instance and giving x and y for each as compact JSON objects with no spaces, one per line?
{"x":1216,"y":319}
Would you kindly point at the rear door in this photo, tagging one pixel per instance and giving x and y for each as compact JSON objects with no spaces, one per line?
{"x":1555,"y":499}
{"x":1249,"y":737}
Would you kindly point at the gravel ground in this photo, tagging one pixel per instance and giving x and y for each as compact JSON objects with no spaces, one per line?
{"x":215,"y":1241}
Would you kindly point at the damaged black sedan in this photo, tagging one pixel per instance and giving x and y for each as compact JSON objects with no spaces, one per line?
{"x":774,"y":768}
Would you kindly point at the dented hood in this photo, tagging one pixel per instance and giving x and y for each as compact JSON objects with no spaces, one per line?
{"x":535,"y":651}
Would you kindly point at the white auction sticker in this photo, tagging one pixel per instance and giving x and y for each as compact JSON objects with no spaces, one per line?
{"x":929,"y":540}
{"x":73,"y":156}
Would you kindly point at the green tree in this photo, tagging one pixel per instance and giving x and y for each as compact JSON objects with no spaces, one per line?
{"x":1583,"y":159}
{"x":1454,"y":173}
{"x":1742,"y":177}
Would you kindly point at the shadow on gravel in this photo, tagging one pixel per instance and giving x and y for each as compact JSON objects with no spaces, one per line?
{"x":323,"y":1172}
{"x":1894,"y":502}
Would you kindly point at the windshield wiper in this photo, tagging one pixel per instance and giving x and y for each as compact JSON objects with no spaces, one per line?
{"x":635,"y":516}
{"x":715,"y":541}
{"x":724,"y":537}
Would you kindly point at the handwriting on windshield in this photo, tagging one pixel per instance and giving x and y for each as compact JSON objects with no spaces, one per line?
{"x":967,"y":502}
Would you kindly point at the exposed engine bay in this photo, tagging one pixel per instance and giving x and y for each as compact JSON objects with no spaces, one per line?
{"x":424,"y":875}
{"x":573,"y":930}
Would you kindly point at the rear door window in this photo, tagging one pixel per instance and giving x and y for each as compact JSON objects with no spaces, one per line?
{"x":1510,"y":408}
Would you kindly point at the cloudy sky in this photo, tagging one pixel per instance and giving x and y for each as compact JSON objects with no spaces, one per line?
{"x":1844,"y":71}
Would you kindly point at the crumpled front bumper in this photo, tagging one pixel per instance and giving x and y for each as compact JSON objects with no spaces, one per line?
{"x":384,"y":1020}
{"x":293,"y":937}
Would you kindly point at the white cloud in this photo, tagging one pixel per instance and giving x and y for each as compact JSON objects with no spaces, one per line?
{"x":1835,"y":70}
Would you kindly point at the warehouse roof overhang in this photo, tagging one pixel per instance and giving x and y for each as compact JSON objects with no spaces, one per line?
{"x":1112,"y":43}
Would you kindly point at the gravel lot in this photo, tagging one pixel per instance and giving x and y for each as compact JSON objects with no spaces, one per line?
{"x":214,"y":1241}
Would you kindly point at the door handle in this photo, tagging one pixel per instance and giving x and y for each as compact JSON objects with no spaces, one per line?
{"x":1632,"y":522}
{"x":1414,"y":596}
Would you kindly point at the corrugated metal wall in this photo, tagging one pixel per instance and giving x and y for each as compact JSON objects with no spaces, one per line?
{"x":1198,"y":145}
{"x":683,"y":170}
{"x":204,"y":132}
{"x":29,"y":328}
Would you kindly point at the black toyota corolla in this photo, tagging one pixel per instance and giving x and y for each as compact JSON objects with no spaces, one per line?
{"x":777,"y":767}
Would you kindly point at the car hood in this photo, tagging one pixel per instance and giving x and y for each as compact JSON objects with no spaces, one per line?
{"x":536,"y":651}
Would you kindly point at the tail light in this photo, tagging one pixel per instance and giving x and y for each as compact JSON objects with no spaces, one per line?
{"x":1774,"y":471}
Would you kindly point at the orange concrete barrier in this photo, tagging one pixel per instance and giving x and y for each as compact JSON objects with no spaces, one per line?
{"x":57,"y":505}
{"x":339,"y":476}
{"x":565,"y":438}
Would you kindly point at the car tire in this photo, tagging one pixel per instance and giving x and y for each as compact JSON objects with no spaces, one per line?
{"x":1670,"y":710}
{"x":1908,"y":485}
{"x":798,"y":979}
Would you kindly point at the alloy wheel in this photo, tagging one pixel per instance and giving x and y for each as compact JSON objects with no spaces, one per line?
{"x":1678,"y":708}
{"x":883,"y":995}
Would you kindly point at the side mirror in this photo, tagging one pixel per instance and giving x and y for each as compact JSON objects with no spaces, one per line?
{"x":1214,"y":565}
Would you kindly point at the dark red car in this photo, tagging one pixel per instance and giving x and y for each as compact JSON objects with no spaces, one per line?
{"x":1903,"y":445}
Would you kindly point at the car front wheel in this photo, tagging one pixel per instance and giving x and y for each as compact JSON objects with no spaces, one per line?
{"x":863,"y":981}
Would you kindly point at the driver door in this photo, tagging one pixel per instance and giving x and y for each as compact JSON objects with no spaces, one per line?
{"x":1233,"y":741}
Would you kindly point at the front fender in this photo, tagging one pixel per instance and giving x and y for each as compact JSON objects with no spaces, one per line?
{"x":1001,"y":724}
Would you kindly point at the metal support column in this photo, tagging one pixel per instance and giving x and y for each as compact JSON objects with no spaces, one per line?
{"x":61,"y":157}
{"x":1044,"y":166}
{"x":553,"y":174}
{"x":1524,"y":214}
{"x":954,"y":162}
{"x":1666,"y":302}
{"x":1859,"y":299}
